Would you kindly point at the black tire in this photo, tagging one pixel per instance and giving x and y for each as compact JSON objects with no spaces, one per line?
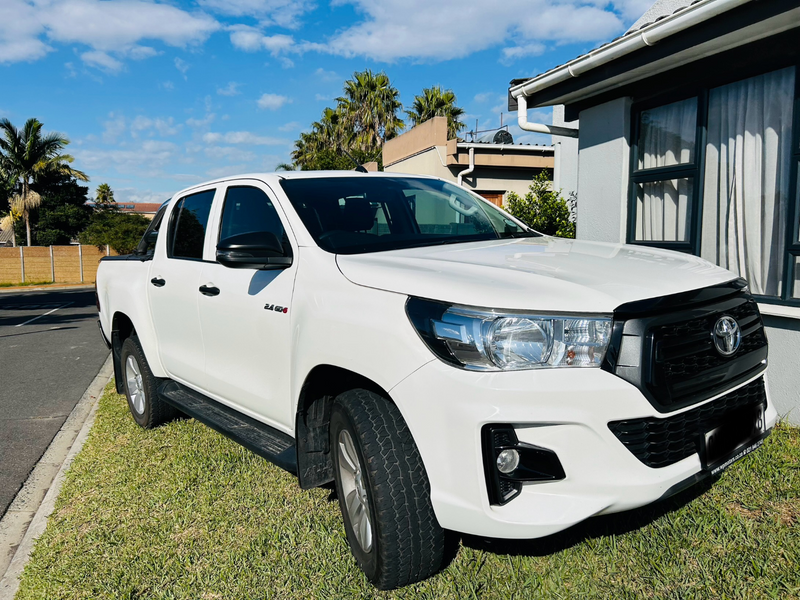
{"x":148,"y":410}
{"x":407,"y":543}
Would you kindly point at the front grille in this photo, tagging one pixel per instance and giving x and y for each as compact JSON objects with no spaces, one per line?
{"x":684,"y":350}
{"x":662,"y":442}
{"x":669,"y":353}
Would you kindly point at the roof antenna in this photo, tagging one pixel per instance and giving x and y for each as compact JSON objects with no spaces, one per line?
{"x":359,"y":167}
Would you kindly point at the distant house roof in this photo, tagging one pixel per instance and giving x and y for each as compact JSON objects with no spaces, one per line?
{"x":5,"y":237}
{"x":142,"y":208}
{"x":433,"y":133}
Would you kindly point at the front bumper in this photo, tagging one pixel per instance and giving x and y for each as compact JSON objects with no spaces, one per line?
{"x":564,"y":410}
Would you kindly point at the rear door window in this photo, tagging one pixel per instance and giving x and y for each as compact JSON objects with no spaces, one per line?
{"x":188,"y":226}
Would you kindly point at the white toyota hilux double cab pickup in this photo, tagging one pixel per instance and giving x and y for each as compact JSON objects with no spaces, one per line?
{"x":450,"y":369}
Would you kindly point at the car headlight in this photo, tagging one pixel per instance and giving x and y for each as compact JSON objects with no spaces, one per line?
{"x":490,"y":340}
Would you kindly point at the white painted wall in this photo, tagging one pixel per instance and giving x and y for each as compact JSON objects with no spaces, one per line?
{"x":603,"y":167}
{"x":784,"y":376}
{"x":485,"y":179}
{"x":565,"y":172}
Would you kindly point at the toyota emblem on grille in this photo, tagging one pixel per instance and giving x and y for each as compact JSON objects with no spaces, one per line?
{"x":727,"y":335}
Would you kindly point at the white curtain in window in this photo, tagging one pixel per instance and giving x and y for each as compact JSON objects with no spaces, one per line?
{"x":662,"y":210}
{"x":667,"y":133}
{"x":746,"y":188}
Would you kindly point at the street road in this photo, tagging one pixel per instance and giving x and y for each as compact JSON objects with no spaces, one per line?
{"x":50,"y":350}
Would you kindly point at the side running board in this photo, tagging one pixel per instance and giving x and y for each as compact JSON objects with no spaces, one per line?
{"x":276,"y":446}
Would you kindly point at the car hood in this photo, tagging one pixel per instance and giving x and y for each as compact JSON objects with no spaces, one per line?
{"x":541,"y":273}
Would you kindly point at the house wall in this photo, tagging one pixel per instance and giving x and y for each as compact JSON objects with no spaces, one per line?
{"x":565,"y":172}
{"x":784,"y":376}
{"x":603,"y":166}
{"x":603,"y":181}
{"x":484,"y":179}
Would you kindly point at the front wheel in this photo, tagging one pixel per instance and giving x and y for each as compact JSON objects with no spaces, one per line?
{"x":384,"y":493}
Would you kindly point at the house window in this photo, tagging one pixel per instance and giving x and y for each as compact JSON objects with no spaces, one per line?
{"x":715,"y":175}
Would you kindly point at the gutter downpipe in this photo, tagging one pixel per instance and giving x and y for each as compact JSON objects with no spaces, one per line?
{"x":522,"y":121}
{"x":471,"y":166}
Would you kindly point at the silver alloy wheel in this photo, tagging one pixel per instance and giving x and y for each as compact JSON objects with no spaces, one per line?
{"x":133,"y":378}
{"x":356,"y":500}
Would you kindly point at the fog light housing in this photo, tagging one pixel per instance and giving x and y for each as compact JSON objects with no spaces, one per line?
{"x":508,"y":463}
{"x":507,"y":460}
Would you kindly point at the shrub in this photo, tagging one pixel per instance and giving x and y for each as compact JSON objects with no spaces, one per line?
{"x":543,"y":208}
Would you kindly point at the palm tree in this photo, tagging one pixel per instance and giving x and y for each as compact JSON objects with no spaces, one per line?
{"x":26,"y":154}
{"x":369,"y":109}
{"x":436,"y":102}
{"x":6,"y":189}
{"x":104,"y":197}
{"x":328,"y":133}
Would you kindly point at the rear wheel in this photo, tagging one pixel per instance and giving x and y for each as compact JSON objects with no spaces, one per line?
{"x":384,"y":493}
{"x":141,"y":387}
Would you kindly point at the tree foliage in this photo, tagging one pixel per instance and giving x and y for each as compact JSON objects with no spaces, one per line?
{"x":27,"y":155}
{"x":542,"y":208}
{"x":364,"y":118}
{"x":121,"y":231}
{"x":63,"y":212}
{"x":437,"y":102}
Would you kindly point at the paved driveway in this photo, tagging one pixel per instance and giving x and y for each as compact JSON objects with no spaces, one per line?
{"x":50,"y":350}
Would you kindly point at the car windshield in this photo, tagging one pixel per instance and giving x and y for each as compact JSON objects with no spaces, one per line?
{"x":353,"y":215}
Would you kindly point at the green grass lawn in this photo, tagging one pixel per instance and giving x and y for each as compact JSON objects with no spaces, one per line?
{"x":182,"y":512}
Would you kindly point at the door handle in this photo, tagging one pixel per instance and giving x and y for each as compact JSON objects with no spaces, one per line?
{"x":158,"y":282}
{"x":209,"y":290}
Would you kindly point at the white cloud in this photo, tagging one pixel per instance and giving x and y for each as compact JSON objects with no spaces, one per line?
{"x":201,"y":123}
{"x":286,"y":63}
{"x":322,"y":98}
{"x":232,"y":89}
{"x":113,"y":128}
{"x":392,"y":29}
{"x":164,"y":127}
{"x":167,"y":85}
{"x":326,"y":76}
{"x":251,"y":39}
{"x":241,"y":137}
{"x":512,"y":53}
{"x":128,"y":195}
{"x":150,"y":154}
{"x":231,"y":153}
{"x":112,"y":30}
{"x":272,"y":101}
{"x":226,"y":171}
{"x":110,"y":26}
{"x":484,"y":96}
{"x":292,"y":126}
{"x":141,"y":52}
{"x":284,"y":13}
{"x":101,"y":60}
{"x":182,"y":66}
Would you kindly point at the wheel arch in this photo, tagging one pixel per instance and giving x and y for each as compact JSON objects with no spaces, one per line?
{"x":121,"y":329}
{"x":313,"y":416}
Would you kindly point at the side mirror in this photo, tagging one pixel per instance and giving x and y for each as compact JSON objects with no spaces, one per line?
{"x":255,"y":250}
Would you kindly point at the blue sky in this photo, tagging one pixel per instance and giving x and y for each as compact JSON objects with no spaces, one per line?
{"x":157,"y":96}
